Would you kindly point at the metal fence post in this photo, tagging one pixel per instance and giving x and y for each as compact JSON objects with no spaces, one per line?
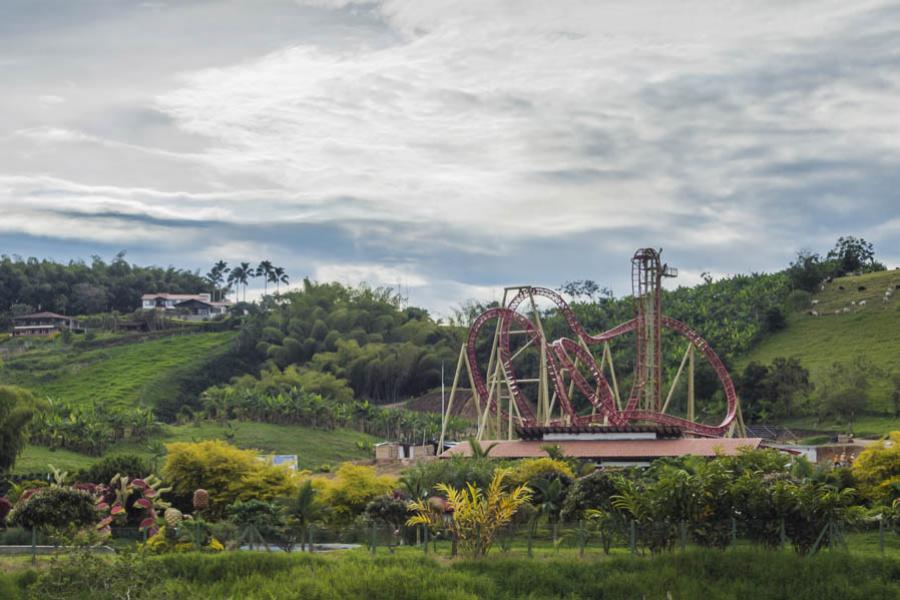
{"x":426,"y":540}
{"x":682,"y":534}
{"x":582,"y":538}
{"x":733,"y":531}
{"x":632,"y":535}
{"x":33,"y":547}
{"x":881,"y":533}
{"x":373,"y":539}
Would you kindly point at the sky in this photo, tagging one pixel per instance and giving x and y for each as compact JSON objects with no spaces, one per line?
{"x":449,"y":147}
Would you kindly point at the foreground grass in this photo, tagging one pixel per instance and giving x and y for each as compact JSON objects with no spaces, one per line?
{"x":313,"y":447}
{"x":734,"y":574}
{"x":111,"y":373}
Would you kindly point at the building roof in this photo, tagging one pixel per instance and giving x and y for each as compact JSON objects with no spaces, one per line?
{"x":41,"y":315}
{"x":167,"y":296}
{"x":540,"y":432}
{"x":204,"y":297}
{"x":613,"y":449}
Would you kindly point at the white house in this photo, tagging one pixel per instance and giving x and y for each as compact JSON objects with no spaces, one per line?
{"x":196,"y":306}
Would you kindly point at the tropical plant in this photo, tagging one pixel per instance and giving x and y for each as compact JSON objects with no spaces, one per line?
{"x":17,"y":407}
{"x":303,"y":510}
{"x":476,"y":516}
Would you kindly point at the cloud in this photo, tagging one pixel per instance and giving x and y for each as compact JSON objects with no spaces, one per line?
{"x":461,"y":145}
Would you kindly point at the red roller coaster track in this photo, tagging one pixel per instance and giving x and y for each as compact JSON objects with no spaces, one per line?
{"x":563,"y":353}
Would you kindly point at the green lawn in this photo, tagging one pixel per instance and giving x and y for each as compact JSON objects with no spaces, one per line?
{"x":313,"y":447}
{"x":110,"y":372}
{"x":867,"y":426}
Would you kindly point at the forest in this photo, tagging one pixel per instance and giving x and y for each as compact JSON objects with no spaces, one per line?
{"x":80,"y":288}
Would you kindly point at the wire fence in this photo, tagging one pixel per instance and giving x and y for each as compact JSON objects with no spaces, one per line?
{"x":582,"y":538}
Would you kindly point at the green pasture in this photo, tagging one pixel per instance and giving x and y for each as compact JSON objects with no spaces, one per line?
{"x":313,"y":447}
{"x":113,"y":373}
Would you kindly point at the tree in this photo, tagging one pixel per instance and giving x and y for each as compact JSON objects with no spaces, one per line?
{"x":88,"y":298}
{"x":216,"y":277}
{"x":787,"y":380}
{"x":753,"y":389}
{"x":851,"y":254}
{"x":303,"y":509}
{"x":281,"y":276}
{"x":17,"y":407}
{"x":266,"y":270}
{"x":228,"y":473}
{"x":877,"y":469}
{"x":807,"y":271}
{"x":845,"y":389}
{"x":239,"y":275}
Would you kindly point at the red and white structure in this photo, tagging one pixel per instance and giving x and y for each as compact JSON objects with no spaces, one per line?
{"x":530,"y":381}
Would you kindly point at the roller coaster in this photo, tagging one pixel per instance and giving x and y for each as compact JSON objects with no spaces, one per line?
{"x":572,"y":386}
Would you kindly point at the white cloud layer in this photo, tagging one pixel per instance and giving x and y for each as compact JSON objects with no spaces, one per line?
{"x":462,"y":145}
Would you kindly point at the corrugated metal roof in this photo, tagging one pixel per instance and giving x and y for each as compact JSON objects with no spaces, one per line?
{"x":613,"y":448}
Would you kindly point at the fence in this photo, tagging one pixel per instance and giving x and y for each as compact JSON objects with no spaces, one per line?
{"x":582,"y":538}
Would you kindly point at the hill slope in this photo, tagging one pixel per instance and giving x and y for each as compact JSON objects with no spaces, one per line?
{"x":835,"y":327}
{"x":313,"y":447}
{"x":115,"y":372}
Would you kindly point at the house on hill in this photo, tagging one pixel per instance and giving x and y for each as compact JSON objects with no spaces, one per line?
{"x":42,"y":323}
{"x":191,"y":306}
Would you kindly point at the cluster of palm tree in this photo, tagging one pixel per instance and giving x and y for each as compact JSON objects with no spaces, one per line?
{"x":240,"y":275}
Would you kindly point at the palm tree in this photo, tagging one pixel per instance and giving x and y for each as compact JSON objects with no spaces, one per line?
{"x":479,"y":451}
{"x":216,"y":276}
{"x":266,"y":270}
{"x":281,"y":276}
{"x":548,"y":499}
{"x":303,"y":510}
{"x":239,"y":275}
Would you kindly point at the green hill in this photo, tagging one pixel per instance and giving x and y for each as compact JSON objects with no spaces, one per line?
{"x":835,"y":328}
{"x":313,"y":447}
{"x":122,"y":371}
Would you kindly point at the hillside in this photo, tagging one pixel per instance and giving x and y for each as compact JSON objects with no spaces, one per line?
{"x":314,"y":447}
{"x":835,"y":327}
{"x":116,"y":372}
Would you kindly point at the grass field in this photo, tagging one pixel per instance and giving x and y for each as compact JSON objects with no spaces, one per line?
{"x":114,"y":372}
{"x":743,"y":573}
{"x":313,"y":447}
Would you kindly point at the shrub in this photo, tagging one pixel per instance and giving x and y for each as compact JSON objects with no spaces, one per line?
{"x":352,"y":488}
{"x":389,"y":509}
{"x":266,"y":518}
{"x":228,"y":473}
{"x":877,"y":469}
{"x":530,"y":469}
{"x":57,"y":507}
{"x":83,"y":574}
{"x":105,"y":469}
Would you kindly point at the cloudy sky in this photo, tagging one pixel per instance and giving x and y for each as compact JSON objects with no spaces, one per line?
{"x":450,"y":147}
